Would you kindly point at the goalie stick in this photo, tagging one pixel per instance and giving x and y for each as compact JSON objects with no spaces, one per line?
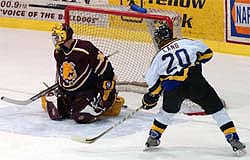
{"x":40,"y":94}
{"x":32,"y":99}
{"x":93,"y":139}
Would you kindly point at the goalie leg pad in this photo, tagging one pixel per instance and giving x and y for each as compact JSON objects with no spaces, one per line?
{"x":52,"y":111}
{"x":56,"y":107}
{"x":44,"y":103}
{"x":115,"y":109}
{"x":82,"y":111}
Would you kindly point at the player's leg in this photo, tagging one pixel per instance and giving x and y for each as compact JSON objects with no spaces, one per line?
{"x":171,"y":105}
{"x":83,"y":108}
{"x":57,"y":107}
{"x":202,"y":93}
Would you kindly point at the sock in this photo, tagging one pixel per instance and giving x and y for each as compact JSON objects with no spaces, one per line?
{"x":157,"y":129}
{"x":229,"y":131}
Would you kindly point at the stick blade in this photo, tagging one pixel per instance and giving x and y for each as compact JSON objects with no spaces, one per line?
{"x":240,"y":153}
{"x":83,"y":140}
{"x":18,"y":102}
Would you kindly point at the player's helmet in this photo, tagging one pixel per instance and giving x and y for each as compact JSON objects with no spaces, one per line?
{"x":163,"y":32}
{"x":60,"y":34}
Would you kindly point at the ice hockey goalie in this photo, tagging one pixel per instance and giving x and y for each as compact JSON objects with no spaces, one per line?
{"x":87,"y":83}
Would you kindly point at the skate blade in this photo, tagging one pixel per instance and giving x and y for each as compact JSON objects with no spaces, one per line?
{"x":151,"y":149}
{"x":240,"y":153}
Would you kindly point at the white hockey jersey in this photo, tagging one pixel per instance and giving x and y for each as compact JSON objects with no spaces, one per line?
{"x":174,"y":57}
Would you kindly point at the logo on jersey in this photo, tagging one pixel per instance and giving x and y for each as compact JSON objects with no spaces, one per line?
{"x":238,"y":21}
{"x":68,"y":72}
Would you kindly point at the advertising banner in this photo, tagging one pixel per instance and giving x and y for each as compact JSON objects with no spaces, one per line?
{"x":40,"y":14}
{"x":201,"y":19}
{"x":238,"y":21}
{"x":48,"y":10}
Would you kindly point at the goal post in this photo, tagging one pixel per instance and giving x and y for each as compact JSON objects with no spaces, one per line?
{"x":125,"y":35}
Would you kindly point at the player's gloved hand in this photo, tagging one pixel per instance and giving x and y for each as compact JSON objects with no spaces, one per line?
{"x":107,"y":84}
{"x":198,"y":55}
{"x":149,"y":101}
{"x":106,"y":87}
{"x":97,"y":104}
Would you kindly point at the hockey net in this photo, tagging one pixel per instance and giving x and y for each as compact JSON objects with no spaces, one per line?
{"x":127,"y":38}
{"x":123,"y":35}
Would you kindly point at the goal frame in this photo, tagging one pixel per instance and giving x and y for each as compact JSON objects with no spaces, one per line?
{"x":116,"y":12}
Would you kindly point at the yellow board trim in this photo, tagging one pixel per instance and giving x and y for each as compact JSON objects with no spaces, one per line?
{"x":27,"y":24}
{"x":228,"y":48}
{"x":222,"y":47}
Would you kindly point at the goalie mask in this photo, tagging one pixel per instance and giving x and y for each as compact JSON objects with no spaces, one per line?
{"x":61,"y":34}
{"x":163,"y":33}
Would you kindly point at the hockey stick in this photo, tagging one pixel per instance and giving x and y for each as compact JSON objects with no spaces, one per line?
{"x":30,"y":100}
{"x":93,"y":139}
{"x":40,"y":94}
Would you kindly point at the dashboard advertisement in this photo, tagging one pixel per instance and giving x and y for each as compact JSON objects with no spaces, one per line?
{"x":238,"y":21}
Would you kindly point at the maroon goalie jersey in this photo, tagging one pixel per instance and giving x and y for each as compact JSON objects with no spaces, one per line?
{"x":75,"y":66}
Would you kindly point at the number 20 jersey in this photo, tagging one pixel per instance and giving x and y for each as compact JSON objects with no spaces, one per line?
{"x":174,"y":59}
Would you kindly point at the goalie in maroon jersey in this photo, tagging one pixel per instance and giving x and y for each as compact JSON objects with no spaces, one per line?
{"x":87,"y":85}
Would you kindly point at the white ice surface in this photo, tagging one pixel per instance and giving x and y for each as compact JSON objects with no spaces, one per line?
{"x":27,"y":133}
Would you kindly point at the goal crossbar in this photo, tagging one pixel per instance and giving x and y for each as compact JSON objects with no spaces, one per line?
{"x":116,"y":12}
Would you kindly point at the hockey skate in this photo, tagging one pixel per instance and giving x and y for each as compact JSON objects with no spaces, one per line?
{"x":153,"y":140}
{"x":238,"y":147}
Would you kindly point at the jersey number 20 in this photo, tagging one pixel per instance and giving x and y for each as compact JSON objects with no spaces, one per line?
{"x":182,"y":58}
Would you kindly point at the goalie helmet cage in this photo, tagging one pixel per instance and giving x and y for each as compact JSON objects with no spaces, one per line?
{"x":125,"y":35}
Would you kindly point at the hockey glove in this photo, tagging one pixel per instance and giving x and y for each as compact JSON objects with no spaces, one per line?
{"x":106,"y":87}
{"x":149,"y":101}
{"x":97,"y":104}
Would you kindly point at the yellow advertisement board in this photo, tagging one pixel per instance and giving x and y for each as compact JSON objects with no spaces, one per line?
{"x":201,"y":19}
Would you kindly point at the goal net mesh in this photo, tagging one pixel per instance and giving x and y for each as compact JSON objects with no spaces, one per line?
{"x":123,"y":35}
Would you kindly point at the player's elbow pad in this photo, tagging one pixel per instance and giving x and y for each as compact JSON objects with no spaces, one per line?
{"x":204,"y":57}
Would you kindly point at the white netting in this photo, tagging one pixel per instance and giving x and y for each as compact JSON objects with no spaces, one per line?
{"x":126,"y":37}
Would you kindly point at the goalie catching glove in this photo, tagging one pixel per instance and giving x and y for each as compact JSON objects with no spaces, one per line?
{"x":149,"y":100}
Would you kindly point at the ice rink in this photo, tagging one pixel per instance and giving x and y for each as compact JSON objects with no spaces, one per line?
{"x":27,"y":133}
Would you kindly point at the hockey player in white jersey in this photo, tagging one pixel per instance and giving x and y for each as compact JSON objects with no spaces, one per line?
{"x":176,"y":72}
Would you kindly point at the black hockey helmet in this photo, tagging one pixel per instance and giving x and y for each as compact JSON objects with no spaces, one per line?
{"x":163,"y":32}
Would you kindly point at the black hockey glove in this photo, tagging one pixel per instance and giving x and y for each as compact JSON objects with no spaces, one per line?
{"x":149,"y":101}
{"x":97,"y":103}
